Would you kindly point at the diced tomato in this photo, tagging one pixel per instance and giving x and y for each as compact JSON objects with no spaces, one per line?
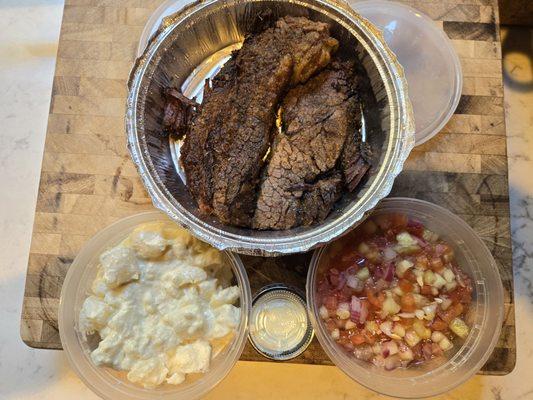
{"x":350,"y":259}
{"x":331,"y":302}
{"x":436,"y":351}
{"x":408,"y":275}
{"x":375,"y":300}
{"x":436,"y":264}
{"x":390,"y":234}
{"x":340,"y":323}
{"x":323,"y":286}
{"x":461,"y":295}
{"x":344,"y":335}
{"x":357,"y":339}
{"x":415,"y":228}
{"x":439,"y":325}
{"x":425,"y":290}
{"x":405,"y":285}
{"x":369,"y":338}
{"x":422,"y":261}
{"x":427,"y":352}
{"x":380,"y":242}
{"x":399,"y":220}
{"x":407,"y":322}
{"x":346,"y":293}
{"x":331,"y":325}
{"x":407,"y":303}
{"x":383,"y":221}
{"x":441,"y":248}
{"x":452,"y":312}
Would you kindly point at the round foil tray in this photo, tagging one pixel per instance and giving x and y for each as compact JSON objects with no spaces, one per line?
{"x":190,"y":45}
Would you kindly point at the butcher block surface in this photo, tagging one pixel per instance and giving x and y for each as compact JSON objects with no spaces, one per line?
{"x":88,"y":180}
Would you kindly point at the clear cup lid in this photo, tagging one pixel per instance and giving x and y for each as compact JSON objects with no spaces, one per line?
{"x":279,"y":327}
{"x":431,"y":65}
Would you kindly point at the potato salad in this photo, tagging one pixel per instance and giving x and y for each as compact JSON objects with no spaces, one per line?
{"x":162,"y":304}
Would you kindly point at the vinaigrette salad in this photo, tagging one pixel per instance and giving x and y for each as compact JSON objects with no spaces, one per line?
{"x":392,"y":293}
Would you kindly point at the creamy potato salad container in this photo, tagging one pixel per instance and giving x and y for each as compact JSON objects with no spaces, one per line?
{"x":100,"y":278}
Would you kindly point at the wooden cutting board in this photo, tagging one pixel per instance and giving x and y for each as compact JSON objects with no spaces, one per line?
{"x":88,"y":180}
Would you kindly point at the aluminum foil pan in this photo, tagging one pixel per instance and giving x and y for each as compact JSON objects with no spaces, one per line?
{"x":192,"y":45}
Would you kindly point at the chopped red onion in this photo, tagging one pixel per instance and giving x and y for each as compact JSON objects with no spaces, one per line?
{"x":342,"y":281}
{"x":353,"y":282}
{"x":427,"y":351}
{"x":421,"y":242}
{"x":440,"y":249}
{"x":389,"y":348}
{"x":389,"y":254}
{"x":388,"y":273}
{"x":381,"y":284}
{"x":392,"y":362}
{"x":358,"y":310}
{"x":351,"y":270}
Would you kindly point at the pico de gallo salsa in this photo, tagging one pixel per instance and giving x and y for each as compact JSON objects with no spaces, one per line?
{"x":392,"y":293}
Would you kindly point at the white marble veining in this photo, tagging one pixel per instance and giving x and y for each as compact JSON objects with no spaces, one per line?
{"x":28,"y":42}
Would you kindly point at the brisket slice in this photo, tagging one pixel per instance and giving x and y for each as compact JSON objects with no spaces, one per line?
{"x":302,"y":180}
{"x":197,"y":155}
{"x":230,"y":134}
{"x":355,"y":161}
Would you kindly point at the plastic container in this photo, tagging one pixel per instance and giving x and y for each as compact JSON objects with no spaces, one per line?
{"x":484,"y":318}
{"x":280,"y":328}
{"x":106,"y":382}
{"x":430,"y":63}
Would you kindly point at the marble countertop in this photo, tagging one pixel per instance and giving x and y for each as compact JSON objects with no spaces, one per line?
{"x":28,"y":45}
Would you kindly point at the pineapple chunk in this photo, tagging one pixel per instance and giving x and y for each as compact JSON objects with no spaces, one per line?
{"x":350,"y":325}
{"x":429,"y":277}
{"x":399,"y":330}
{"x":363,"y":248}
{"x":402,"y":267}
{"x":437,"y":336}
{"x":343,"y":311}
{"x":372,"y":327}
{"x":448,"y":275}
{"x":421,"y":330}
{"x":390,"y":307}
{"x":445,"y":344}
{"x":411,"y":338}
{"x":406,"y":354}
{"x":406,"y":240}
{"x":459,"y":327}
{"x":406,"y":243}
{"x":363,"y":274}
{"x":439,"y":281}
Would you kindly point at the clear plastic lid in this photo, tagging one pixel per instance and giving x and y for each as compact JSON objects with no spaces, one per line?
{"x":279,"y":325}
{"x":431,"y":65}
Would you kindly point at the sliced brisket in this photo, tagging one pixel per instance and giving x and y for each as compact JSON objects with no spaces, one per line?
{"x":229,"y":136}
{"x":302,"y":180}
